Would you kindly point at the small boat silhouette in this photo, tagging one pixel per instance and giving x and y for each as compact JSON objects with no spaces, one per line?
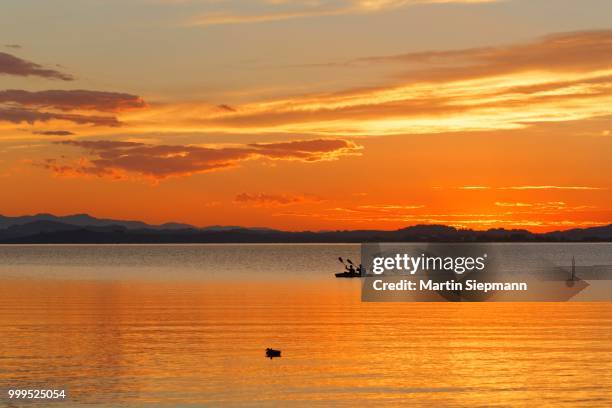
{"x":572,"y":278}
{"x":271,"y":353}
{"x":348,"y":275}
{"x":351,"y":271}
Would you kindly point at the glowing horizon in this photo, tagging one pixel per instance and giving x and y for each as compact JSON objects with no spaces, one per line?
{"x":254,"y":115}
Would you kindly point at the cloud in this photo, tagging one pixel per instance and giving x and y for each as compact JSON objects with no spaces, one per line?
{"x":542,"y":187}
{"x":380,"y":213}
{"x":551,"y":188}
{"x":578,"y":51}
{"x":225,"y":107}
{"x":118,"y":158}
{"x":540,"y":208}
{"x":16,"y":115}
{"x":211,"y":19}
{"x":306,"y":150}
{"x":78,"y":99}
{"x":21,"y":106}
{"x":505,"y":204}
{"x":19,"y":115}
{"x":458,"y":220}
{"x":18,"y":106}
{"x":388,"y":207}
{"x":273,"y":200}
{"x":11,"y":65}
{"x":13,"y":46}
{"x":280,"y":10}
{"x":54,"y":133}
{"x":563,"y":77}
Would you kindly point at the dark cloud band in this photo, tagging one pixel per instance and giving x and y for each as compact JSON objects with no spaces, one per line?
{"x":78,"y":99}
{"x":11,"y":65}
{"x":161,"y":161}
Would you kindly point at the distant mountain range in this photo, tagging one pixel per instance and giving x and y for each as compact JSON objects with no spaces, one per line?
{"x":83,"y":228}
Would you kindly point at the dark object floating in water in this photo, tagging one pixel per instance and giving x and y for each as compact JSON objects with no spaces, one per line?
{"x":271,"y":353}
{"x":351,"y":271}
{"x":348,"y":275}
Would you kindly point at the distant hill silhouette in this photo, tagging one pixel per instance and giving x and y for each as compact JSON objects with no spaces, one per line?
{"x":83,"y":228}
{"x":85,"y":220}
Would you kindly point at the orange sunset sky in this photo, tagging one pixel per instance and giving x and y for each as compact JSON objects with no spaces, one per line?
{"x":316,"y":115}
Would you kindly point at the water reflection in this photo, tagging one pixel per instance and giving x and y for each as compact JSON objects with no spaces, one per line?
{"x":170,"y":343}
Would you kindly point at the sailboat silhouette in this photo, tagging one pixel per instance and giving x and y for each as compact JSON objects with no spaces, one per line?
{"x":572,"y":277}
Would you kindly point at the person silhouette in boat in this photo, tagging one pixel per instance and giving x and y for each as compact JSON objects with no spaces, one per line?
{"x":350,"y":269}
{"x":360,"y":269}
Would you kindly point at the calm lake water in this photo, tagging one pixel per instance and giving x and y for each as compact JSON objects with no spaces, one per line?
{"x":187,"y":325}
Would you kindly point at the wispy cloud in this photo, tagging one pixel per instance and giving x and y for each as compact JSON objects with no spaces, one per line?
{"x":551,"y":188}
{"x":517,"y":204}
{"x":458,"y":220}
{"x":274,"y":200}
{"x":559,"y":78}
{"x":75,"y":106}
{"x":11,"y":65}
{"x":539,"y":187}
{"x":118,"y":159}
{"x":31,"y":116}
{"x":53,"y":132}
{"x":77,"y":99}
{"x":540,"y":208}
{"x":278,"y":10}
{"x":577,"y":50}
{"x":379,"y":212}
{"x":388,"y":207}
